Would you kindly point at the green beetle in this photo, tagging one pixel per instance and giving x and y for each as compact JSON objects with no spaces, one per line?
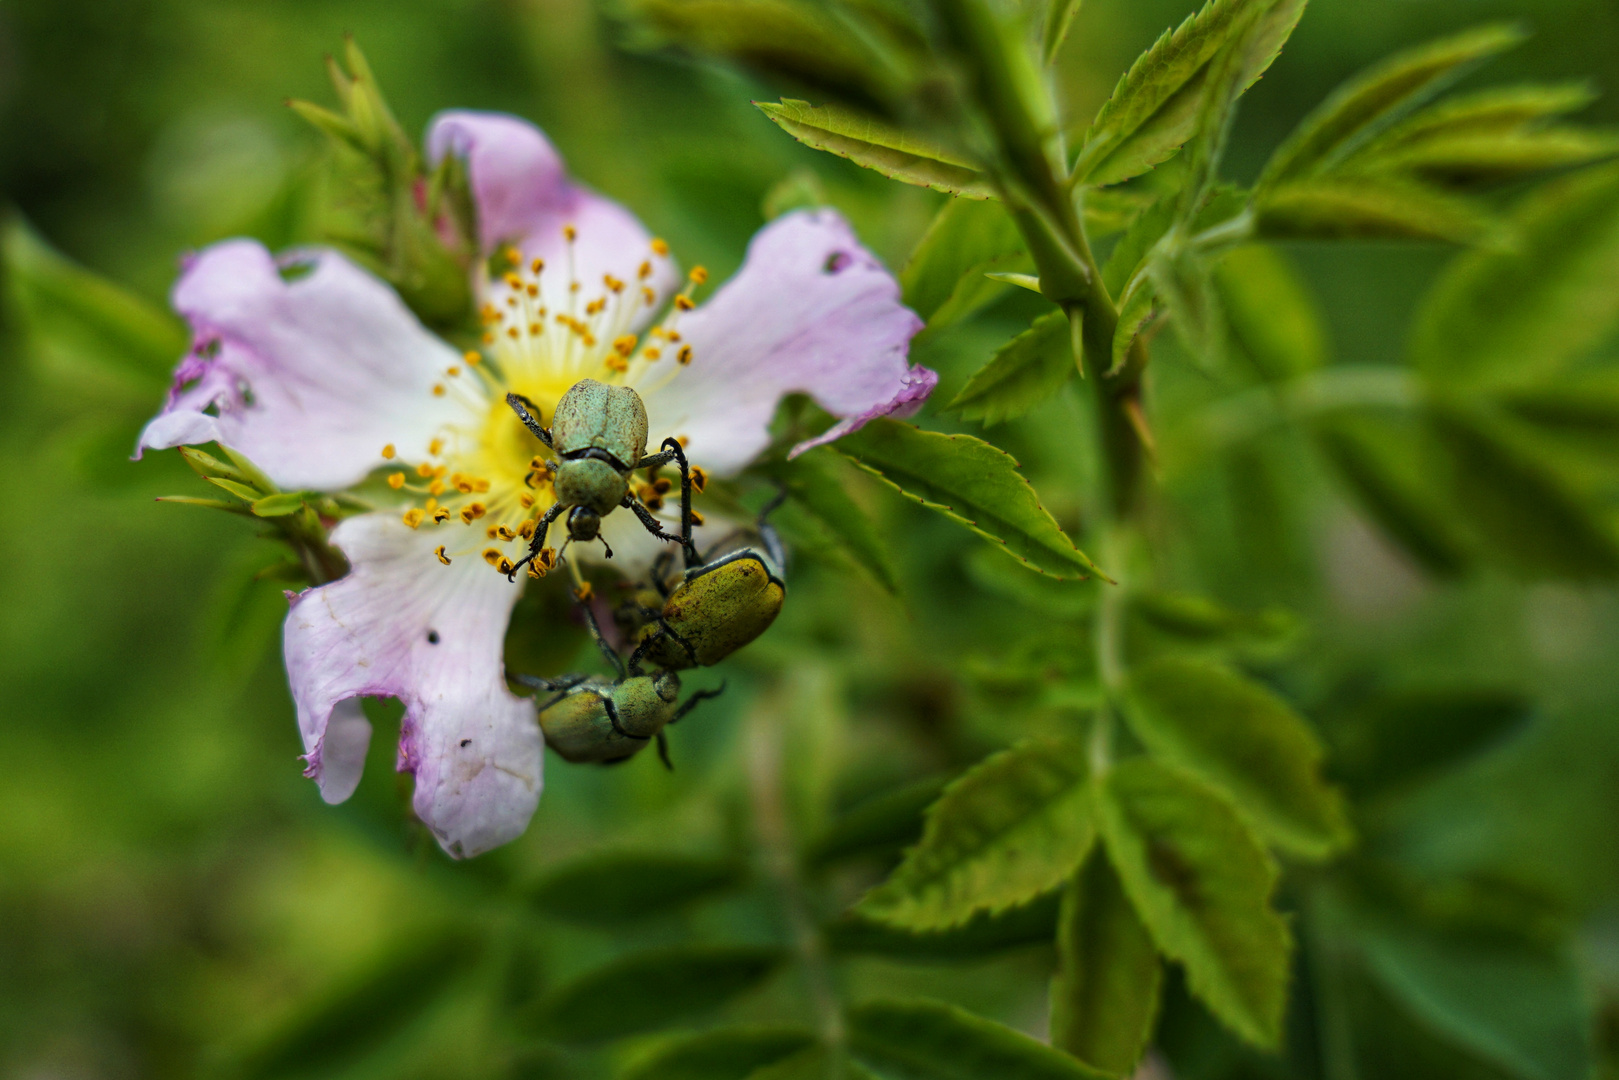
{"x":716,"y":608}
{"x":599,"y":434}
{"x":608,"y":721}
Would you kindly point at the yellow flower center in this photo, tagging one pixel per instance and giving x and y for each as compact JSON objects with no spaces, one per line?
{"x":485,"y":483}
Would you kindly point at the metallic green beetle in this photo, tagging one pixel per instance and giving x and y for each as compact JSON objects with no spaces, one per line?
{"x":716,"y":608}
{"x":610,"y":720}
{"x":599,"y":434}
{"x":593,"y":719}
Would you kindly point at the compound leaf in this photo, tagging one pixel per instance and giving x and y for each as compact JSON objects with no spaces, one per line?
{"x":1154,"y":108}
{"x":1024,"y":372}
{"x":1009,"y":829}
{"x":867,"y":141}
{"x":1367,"y":103}
{"x":645,"y":991}
{"x":620,"y":887}
{"x":728,"y":1053}
{"x":929,"y":1040}
{"x":1104,"y":997}
{"x":982,"y":935}
{"x":1202,"y":884}
{"x":1479,"y":157}
{"x":1240,"y":737}
{"x":971,"y":482}
{"x":1524,"y":313}
{"x":882,"y":824}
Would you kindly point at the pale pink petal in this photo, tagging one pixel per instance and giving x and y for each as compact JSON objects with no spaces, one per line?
{"x":401,"y":625}
{"x":524,"y":197}
{"x":810,"y":311}
{"x":310,"y":375}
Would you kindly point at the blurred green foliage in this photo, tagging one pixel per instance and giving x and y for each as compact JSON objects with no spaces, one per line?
{"x":175,"y":899}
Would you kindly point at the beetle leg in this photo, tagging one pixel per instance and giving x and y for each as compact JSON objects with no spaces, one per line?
{"x":536,"y":545}
{"x":671,"y":450}
{"x":535,"y":682}
{"x":768,"y":534}
{"x":655,"y":527}
{"x":691,"y":702}
{"x":521,"y":406}
{"x":601,"y":642}
{"x":663,"y":752}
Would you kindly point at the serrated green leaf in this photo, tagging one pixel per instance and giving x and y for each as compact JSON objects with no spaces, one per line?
{"x":1368,"y":208}
{"x":1519,"y":1007}
{"x":929,"y":1040}
{"x":869,"y":142}
{"x":1111,"y":210}
{"x":76,"y":319}
{"x":1202,"y":884}
{"x":1010,"y":828}
{"x":815,"y":482}
{"x":1238,"y":736}
{"x":1497,"y":109}
{"x":1104,"y":997}
{"x":279,"y":505}
{"x":241,"y":491}
{"x":729,"y":1053}
{"x":1404,"y":738}
{"x":1521,"y":315}
{"x":1128,"y":256}
{"x":1393,"y":473}
{"x":965,"y":235}
{"x":1270,"y":313}
{"x":1155,"y":106}
{"x":882,"y":824}
{"x":629,"y":887}
{"x":982,"y":935}
{"x":1530,"y":515}
{"x":1024,"y":372}
{"x":385,"y":998}
{"x":645,"y":991}
{"x":1059,"y":17}
{"x":1471,"y":158}
{"x":1365,"y":105}
{"x":969,"y":481}
{"x":1136,"y":310}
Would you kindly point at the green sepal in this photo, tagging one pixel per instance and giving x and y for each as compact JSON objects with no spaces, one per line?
{"x":241,"y":491}
{"x":280,"y":504}
{"x":212,"y":504}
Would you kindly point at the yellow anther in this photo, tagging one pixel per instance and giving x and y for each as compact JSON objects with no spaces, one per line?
{"x":452,"y":372}
{"x":435,"y":448}
{"x":436,"y":487}
{"x":657,"y":332}
{"x":438,"y":389}
{"x":588,"y":339}
{"x":535,"y":329}
{"x":489,"y":339}
{"x":645,"y":271}
{"x":612,"y":283}
{"x":506,"y":567}
{"x":492,"y":556}
{"x":511,"y":301}
{"x":413,"y":516}
{"x":473,"y":359}
{"x":443,"y":558}
{"x":462,"y":484}
{"x":547,"y":558}
{"x":396,"y":480}
{"x":440,"y":470}
{"x":430,"y":505}
{"x":536,"y":462}
{"x":573,"y":286}
{"x":488,"y":313}
{"x":672,"y":335}
{"x":514,"y":333}
{"x":624,"y":344}
{"x":570,"y":233}
{"x":684,"y":355}
{"x":648,"y":295}
{"x":425,"y":469}
{"x":526,"y":529}
{"x":699,"y":478}
{"x":683,"y":440}
{"x":514,"y":281}
{"x":651,"y":354}
{"x":662,"y":485}
{"x":472,"y":512}
{"x":615,"y":362}
{"x":505,"y":534}
{"x":595,"y":307}
{"x":534,"y":570}
{"x":492,"y":532}
{"x":511,"y":254}
{"x":533,"y":291}
{"x":537,"y":265}
{"x":388,"y":452}
{"x":684,"y":302}
{"x":696,"y":518}
{"x":526,"y":501}
{"x":583,"y":592}
{"x":698,"y":275}
{"x":659,"y":246}
{"x":441,"y":515}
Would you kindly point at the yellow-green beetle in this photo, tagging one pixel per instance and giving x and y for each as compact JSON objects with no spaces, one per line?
{"x":716,"y":608}
{"x":608,"y":721}
{"x":599,"y":434}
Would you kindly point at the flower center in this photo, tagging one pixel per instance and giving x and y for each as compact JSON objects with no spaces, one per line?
{"x":485,"y":481}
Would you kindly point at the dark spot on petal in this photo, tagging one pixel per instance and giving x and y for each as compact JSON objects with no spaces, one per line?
{"x":466,"y":742}
{"x":432,"y":637}
{"x":836,"y":262}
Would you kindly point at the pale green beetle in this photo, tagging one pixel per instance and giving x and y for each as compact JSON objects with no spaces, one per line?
{"x":599,"y":434}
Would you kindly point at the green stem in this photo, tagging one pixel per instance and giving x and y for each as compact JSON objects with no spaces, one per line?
{"x":779,"y":861}
{"x":1108,"y":642}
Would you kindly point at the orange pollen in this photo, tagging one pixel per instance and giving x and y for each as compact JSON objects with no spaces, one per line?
{"x":505,"y":534}
{"x":473,"y":359}
{"x":684,"y":302}
{"x":699,"y":478}
{"x":514,"y":281}
{"x":438,"y":389}
{"x":645,"y":271}
{"x":396,"y":480}
{"x":684,"y":355}
{"x":533,"y":291}
{"x":413,"y":517}
{"x":696,"y":518}
{"x":441,"y":515}
{"x":443,"y":558}
{"x":526,"y":501}
{"x":648,"y":295}
{"x":452,"y":372}
{"x":436,"y":487}
{"x":612,"y":283}
{"x":651,"y":354}
{"x":672,"y":335}
{"x":660,"y":246}
{"x":435,"y":447}
{"x":624,"y":344}
{"x":537,"y":265}
{"x":698,"y":275}
{"x":492,"y":556}
{"x":388,"y":452}
{"x":492,"y":532}
{"x":425,"y":469}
